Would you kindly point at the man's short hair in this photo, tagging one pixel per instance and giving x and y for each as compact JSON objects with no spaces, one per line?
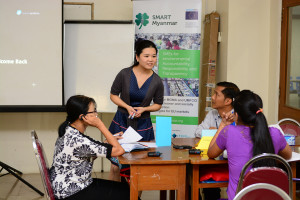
{"x":230,"y":90}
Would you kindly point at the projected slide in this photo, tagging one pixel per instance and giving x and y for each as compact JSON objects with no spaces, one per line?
{"x":30,"y":52}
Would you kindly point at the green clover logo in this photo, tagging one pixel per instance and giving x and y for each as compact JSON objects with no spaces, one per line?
{"x":142,"y":19}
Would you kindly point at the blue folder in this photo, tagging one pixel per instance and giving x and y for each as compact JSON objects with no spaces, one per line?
{"x":163,"y":131}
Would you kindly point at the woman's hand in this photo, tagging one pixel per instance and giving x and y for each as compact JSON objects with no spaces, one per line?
{"x":118,"y":135}
{"x":92,"y":120}
{"x":139,"y":111}
{"x":131,"y":110}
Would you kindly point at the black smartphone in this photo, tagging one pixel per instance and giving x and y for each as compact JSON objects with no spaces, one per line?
{"x":182,"y":147}
{"x":195,"y":151}
{"x":154,"y":154}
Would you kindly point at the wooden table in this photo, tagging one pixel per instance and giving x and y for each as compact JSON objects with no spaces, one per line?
{"x":199,"y":161}
{"x":167,"y":172}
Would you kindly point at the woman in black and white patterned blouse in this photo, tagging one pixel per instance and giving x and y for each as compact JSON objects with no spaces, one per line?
{"x":74,"y":154}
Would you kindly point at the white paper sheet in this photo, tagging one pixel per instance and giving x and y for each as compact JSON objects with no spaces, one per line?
{"x":129,"y":136}
{"x":149,"y":144}
{"x":295,"y":157}
{"x":128,"y":147}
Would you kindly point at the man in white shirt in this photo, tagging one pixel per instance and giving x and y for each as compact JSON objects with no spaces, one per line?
{"x":222,"y":102}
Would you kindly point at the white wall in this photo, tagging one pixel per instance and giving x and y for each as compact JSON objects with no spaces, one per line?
{"x":222,"y":8}
{"x":248,"y":55}
{"x":250,"y":49}
{"x":110,"y":9}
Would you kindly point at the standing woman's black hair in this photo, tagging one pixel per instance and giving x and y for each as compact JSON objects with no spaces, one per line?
{"x":76,"y":105}
{"x":140,"y":46}
{"x":248,"y":106}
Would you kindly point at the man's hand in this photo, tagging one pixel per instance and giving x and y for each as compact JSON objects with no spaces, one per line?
{"x":227,"y":118}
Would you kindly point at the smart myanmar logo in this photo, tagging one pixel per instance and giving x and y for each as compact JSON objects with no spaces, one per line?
{"x":142,"y":20}
{"x":157,"y":20}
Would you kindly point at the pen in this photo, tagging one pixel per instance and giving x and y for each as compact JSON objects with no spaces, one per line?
{"x":116,"y":135}
{"x":233,"y":123}
{"x":130,"y":116}
{"x":133,"y":116}
{"x":143,"y":145}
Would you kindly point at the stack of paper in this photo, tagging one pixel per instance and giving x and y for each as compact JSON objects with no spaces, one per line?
{"x":129,"y":140}
{"x":129,"y":147}
{"x":207,"y":136}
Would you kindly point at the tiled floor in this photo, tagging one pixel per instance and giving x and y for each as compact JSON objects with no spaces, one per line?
{"x":13,"y":189}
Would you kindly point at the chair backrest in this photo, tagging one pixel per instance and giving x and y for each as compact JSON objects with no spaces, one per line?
{"x":43,"y":165}
{"x":290,"y":126}
{"x":254,"y":188}
{"x":271,"y":175}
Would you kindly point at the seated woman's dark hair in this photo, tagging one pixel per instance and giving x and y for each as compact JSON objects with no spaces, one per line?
{"x":248,"y":106}
{"x":76,"y":105}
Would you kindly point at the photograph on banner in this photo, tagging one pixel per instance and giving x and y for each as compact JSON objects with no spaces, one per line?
{"x":181,"y":87}
{"x":176,"y":41}
{"x":175,"y":29}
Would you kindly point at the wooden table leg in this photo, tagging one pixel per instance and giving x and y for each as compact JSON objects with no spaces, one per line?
{"x":195,"y":181}
{"x":172,"y":194}
{"x":181,"y":182}
{"x":134,"y":193}
{"x":163,"y":195}
{"x":293,"y":167}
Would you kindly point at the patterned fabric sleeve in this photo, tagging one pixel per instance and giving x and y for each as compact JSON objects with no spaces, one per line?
{"x":93,"y":148}
{"x":72,"y":164}
{"x":222,"y":138}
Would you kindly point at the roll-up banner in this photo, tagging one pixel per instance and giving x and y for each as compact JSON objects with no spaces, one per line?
{"x":175,"y":27}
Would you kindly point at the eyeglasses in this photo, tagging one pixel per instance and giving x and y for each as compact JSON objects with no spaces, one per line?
{"x":95,"y":111}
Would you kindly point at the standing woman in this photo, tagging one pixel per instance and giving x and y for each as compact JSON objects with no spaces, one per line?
{"x":74,"y":153}
{"x":132,"y":91}
{"x":250,"y":137}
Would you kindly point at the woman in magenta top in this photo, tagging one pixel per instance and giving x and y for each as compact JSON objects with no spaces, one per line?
{"x":250,"y":137}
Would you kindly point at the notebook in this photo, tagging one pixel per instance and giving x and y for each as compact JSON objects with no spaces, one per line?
{"x":129,"y":147}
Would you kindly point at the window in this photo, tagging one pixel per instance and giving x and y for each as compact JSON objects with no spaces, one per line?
{"x":289,"y":101}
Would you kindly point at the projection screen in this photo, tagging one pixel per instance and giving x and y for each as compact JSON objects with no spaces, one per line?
{"x":31,"y":54}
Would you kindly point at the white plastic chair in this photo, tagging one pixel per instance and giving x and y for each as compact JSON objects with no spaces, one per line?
{"x":259,"y":186}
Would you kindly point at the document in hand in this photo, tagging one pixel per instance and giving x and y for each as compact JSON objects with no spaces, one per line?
{"x":129,"y":140}
{"x":130,"y":135}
